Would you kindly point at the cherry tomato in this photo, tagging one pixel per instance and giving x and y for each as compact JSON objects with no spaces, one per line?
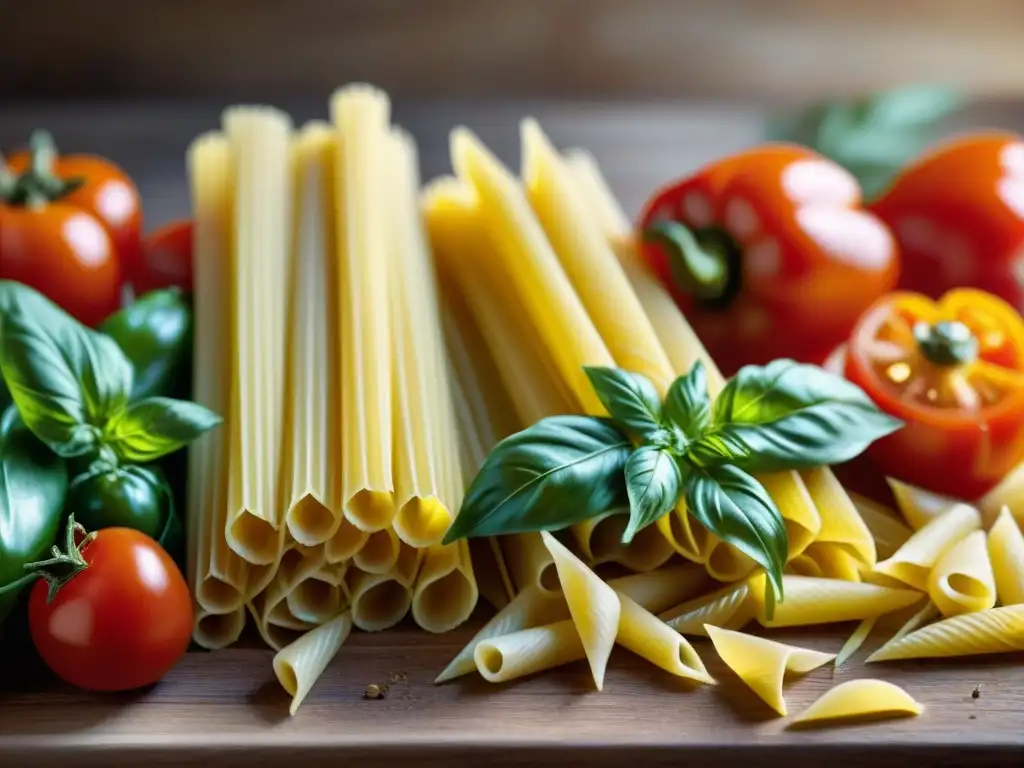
{"x":166,"y":259}
{"x":120,"y":623}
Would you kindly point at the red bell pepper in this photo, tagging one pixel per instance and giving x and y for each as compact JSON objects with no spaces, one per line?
{"x":769,"y":254}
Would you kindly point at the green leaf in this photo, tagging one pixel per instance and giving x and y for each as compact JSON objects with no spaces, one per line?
{"x":687,"y":404}
{"x":630,"y":398}
{"x":738,"y":510}
{"x":787,"y":415}
{"x":560,"y":471}
{"x":150,"y":428}
{"x":65,"y":379}
{"x":653,"y":483}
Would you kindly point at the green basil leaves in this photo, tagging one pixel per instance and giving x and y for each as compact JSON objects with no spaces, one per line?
{"x":150,"y":428}
{"x":567,"y":469}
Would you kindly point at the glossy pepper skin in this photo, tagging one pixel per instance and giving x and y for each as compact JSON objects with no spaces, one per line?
{"x":769,"y":254}
{"x":155,"y":333}
{"x":953,"y":371}
{"x":958,"y":215}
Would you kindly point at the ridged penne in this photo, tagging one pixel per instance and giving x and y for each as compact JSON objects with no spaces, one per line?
{"x":889,"y":532}
{"x":270,"y":602}
{"x":919,"y":507}
{"x":659,"y":590}
{"x":856,"y":640}
{"x":841,"y":524}
{"x":381,"y":600}
{"x":997,"y":630}
{"x":645,"y":635}
{"x":361,"y":115}
{"x":264,"y":173}
{"x":1009,"y":493}
{"x":316,"y":598}
{"x":593,"y":605}
{"x":528,"y":651}
{"x":962,"y":579}
{"x":731,"y":607}
{"x":346,"y":541}
{"x":299,"y":665}
{"x":913,"y":562}
{"x":762,"y":663}
{"x":859,"y":698}
{"x":1006,"y":552}
{"x":379,"y":552}
{"x":445,"y":593}
{"x":214,"y":631}
{"x":827,"y":601}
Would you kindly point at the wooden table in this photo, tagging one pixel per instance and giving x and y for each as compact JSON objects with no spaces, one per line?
{"x":226,"y":709}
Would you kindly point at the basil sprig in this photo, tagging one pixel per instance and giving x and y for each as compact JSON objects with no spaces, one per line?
{"x":71,"y":386}
{"x":566,"y":469}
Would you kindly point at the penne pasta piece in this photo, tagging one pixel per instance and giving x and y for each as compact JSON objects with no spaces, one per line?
{"x":1009,"y":493}
{"x":217,"y":575}
{"x":727,"y":564}
{"x":914,"y":560}
{"x":762,"y":663}
{"x":494,"y":586}
{"x":345,"y":542}
{"x":926,"y":615}
{"x":859,"y":698}
{"x":919,"y":507}
{"x":593,"y":605}
{"x":686,"y":536}
{"x":315,"y":599}
{"x":962,"y":579}
{"x":312,"y":419}
{"x":1006,"y":551}
{"x":299,"y":665}
{"x":529,"y":562}
{"x":827,"y":601}
{"x":600,"y":541}
{"x":833,"y":561}
{"x":889,"y":532}
{"x":603,"y":207}
{"x":381,"y":600}
{"x":361,"y":115}
{"x":446,"y":592}
{"x":296,"y":565}
{"x":856,"y":640}
{"x":264,"y":173}
{"x":841,"y":524}
{"x":504,"y":658}
{"x":799,"y":513}
{"x":380,"y":552}
{"x":299,"y":562}
{"x":805,"y":565}
{"x":729,"y":606}
{"x":532,"y":607}
{"x":659,"y":590}
{"x":645,"y":635}
{"x":214,"y":631}
{"x":281,"y":616}
{"x":996,"y":630}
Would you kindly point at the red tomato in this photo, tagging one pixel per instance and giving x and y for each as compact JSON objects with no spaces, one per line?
{"x":166,"y":259}
{"x":120,"y":623}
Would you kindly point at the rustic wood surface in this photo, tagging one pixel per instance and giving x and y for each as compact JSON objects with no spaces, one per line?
{"x":226,"y":709}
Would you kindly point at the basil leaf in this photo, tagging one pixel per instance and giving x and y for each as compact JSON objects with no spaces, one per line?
{"x":653,"y":483}
{"x":738,"y":510}
{"x":630,"y":398}
{"x":65,"y":379}
{"x":562,"y":470}
{"x":688,"y":405}
{"x":155,"y":426}
{"x":786,"y":415}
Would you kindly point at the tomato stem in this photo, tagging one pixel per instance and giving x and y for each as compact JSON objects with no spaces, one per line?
{"x":63,"y":566}
{"x":946,"y":343}
{"x":702,"y":263}
{"x":36,"y":185}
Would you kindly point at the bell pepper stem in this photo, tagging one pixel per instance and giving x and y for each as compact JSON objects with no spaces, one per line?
{"x":946,"y":343}
{"x":65,"y":564}
{"x":697,"y":268}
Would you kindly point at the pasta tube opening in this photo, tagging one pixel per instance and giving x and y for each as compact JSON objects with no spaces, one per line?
{"x":214,"y":631}
{"x":217,"y":595}
{"x":310,"y":522}
{"x":345,"y":542}
{"x":371,"y":510}
{"x":315,"y":600}
{"x":380,"y":552}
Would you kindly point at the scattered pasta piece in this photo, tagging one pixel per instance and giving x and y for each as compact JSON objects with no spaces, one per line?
{"x":299,"y":665}
{"x":799,"y":513}
{"x":856,"y":640}
{"x":962,"y":580}
{"x":841,"y":524}
{"x":1006,"y":552}
{"x":997,"y":630}
{"x":650,"y":638}
{"x":762,"y":663}
{"x":919,"y":507}
{"x":889,"y":531}
{"x":729,"y":607}
{"x":811,"y":600}
{"x":504,"y":658}
{"x":659,"y":590}
{"x":1009,"y":493}
{"x":859,"y":698}
{"x":913,"y":562}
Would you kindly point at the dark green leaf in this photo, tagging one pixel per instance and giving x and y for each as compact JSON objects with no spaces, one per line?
{"x":789,"y":416}
{"x":150,"y":428}
{"x":66,"y":379}
{"x":653,"y":483}
{"x":687,"y":404}
{"x":738,"y":510}
{"x":560,"y":471}
{"x":630,"y":398}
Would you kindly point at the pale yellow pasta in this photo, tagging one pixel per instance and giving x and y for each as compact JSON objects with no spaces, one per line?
{"x":261,"y":241}
{"x":217,"y":575}
{"x":1006,"y":551}
{"x":659,"y":590}
{"x":296,"y":564}
{"x":532,"y":607}
{"x":726,"y":563}
{"x":299,"y":561}
{"x":600,"y":541}
{"x":446,"y":592}
{"x":1009,"y":493}
{"x":593,"y":605}
{"x":799,"y":513}
{"x":962,"y":579}
{"x":888,"y":531}
{"x":914,"y":560}
{"x":361,"y":115}
{"x":381,"y":600}
{"x":214,"y":631}
{"x":997,"y":630}
{"x":299,"y":665}
{"x":804,"y":565}
{"x":529,"y":562}
{"x":833,"y":561}
{"x":492,"y":579}
{"x":811,"y":601}
{"x":856,"y":640}
{"x":729,"y":606}
{"x":687,"y":536}
{"x":841,"y":524}
{"x":345,"y":542}
{"x":281,"y":616}
{"x":645,"y":635}
{"x":859,"y":698}
{"x":926,"y":615}
{"x":762,"y":663}
{"x":316,"y":599}
{"x":312,"y":419}
{"x":379,"y":553}
{"x":528,"y":651}
{"x":919,"y":507}
{"x":604,"y":207}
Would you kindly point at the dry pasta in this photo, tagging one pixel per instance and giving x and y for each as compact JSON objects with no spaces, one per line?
{"x":859,"y":698}
{"x":299,"y":665}
{"x":997,"y":630}
{"x":1006,"y":553}
{"x":962,"y":579}
{"x":912,"y":563}
{"x":446,"y":591}
{"x":827,"y":601}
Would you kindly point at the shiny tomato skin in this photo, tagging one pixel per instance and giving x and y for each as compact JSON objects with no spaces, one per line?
{"x":121,"y":623}
{"x":66,"y":254}
{"x":166,"y":259}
